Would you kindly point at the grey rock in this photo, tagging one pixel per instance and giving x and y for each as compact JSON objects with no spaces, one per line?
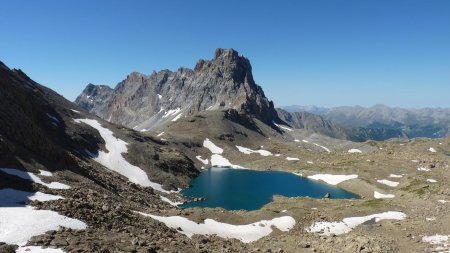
{"x":146,"y":101}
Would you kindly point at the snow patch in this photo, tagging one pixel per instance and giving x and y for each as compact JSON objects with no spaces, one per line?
{"x":177,"y":117}
{"x":15,"y":197}
{"x":333,"y":179}
{"x":429,"y":180}
{"x":305,"y":141}
{"x":395,"y":176}
{"x":246,"y":233}
{"x":171,"y":112}
{"x":19,"y":224}
{"x":354,"y":150}
{"x":160,"y":134}
{"x":45,"y":173}
{"x":212,"y":147}
{"x":170,"y":201}
{"x":432,"y":150}
{"x":388,"y":182}
{"x":423,"y":169}
{"x":204,"y":161}
{"x":297,"y":140}
{"x":442,"y":201}
{"x":292,"y":158}
{"x":348,"y":224}
{"x":75,"y":111}
{"x":114,"y":160}
{"x":249,"y":151}
{"x":438,"y":240}
{"x":159,"y":96}
{"x":220,"y":161}
{"x":325,"y":148}
{"x":282,"y":127}
{"x":55,"y":119}
{"x":34,"y":178}
{"x":37,"y":249}
{"x":379,"y":195}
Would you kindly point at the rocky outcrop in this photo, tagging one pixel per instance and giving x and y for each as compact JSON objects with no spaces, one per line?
{"x":95,"y":98}
{"x":145,"y":101}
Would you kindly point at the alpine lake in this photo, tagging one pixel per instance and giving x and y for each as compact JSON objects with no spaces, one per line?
{"x":241,"y":189}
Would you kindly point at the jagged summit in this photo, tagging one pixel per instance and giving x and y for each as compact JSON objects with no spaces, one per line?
{"x":144,"y":101}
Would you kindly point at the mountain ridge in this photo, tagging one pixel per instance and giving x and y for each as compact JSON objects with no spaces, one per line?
{"x":422,"y":122}
{"x":145,"y":102}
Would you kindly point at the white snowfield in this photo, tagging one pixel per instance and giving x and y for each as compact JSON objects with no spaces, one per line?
{"x":212,"y":147}
{"x":354,"y":150}
{"x":292,"y":158}
{"x":429,"y":180}
{"x":333,"y":179}
{"x":282,"y":127}
{"x":441,"y":240}
{"x":177,"y":117}
{"x":388,"y":182}
{"x":325,"y":148}
{"x":379,"y":195}
{"x":19,"y":224}
{"x":250,"y":151}
{"x":37,"y":249}
{"x":423,"y":169}
{"x":171,"y":112}
{"x":220,"y":161}
{"x":246,"y":233}
{"x":34,"y":178}
{"x":114,"y":160}
{"x":55,"y":119}
{"x":170,"y":201}
{"x":217,"y":160}
{"x":432,"y":150}
{"x":45,"y":173}
{"x":204,"y":161}
{"x":11,"y":196}
{"x":395,"y":176}
{"x":436,"y":239}
{"x":348,"y":224}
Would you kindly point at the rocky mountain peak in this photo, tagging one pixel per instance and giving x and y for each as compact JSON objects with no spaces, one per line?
{"x":222,"y":83}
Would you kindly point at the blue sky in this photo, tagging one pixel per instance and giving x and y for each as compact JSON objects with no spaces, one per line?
{"x":328,"y":53}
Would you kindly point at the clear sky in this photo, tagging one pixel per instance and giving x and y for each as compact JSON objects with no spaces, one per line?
{"x":327,"y":53}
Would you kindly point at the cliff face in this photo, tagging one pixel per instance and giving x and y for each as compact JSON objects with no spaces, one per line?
{"x":144,"y":101}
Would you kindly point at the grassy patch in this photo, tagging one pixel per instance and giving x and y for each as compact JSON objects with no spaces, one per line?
{"x":372,"y":203}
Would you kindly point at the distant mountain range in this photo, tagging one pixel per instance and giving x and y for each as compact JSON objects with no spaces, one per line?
{"x":426,"y":122}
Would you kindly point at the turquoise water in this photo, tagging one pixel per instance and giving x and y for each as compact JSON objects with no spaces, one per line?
{"x":235,"y":189}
